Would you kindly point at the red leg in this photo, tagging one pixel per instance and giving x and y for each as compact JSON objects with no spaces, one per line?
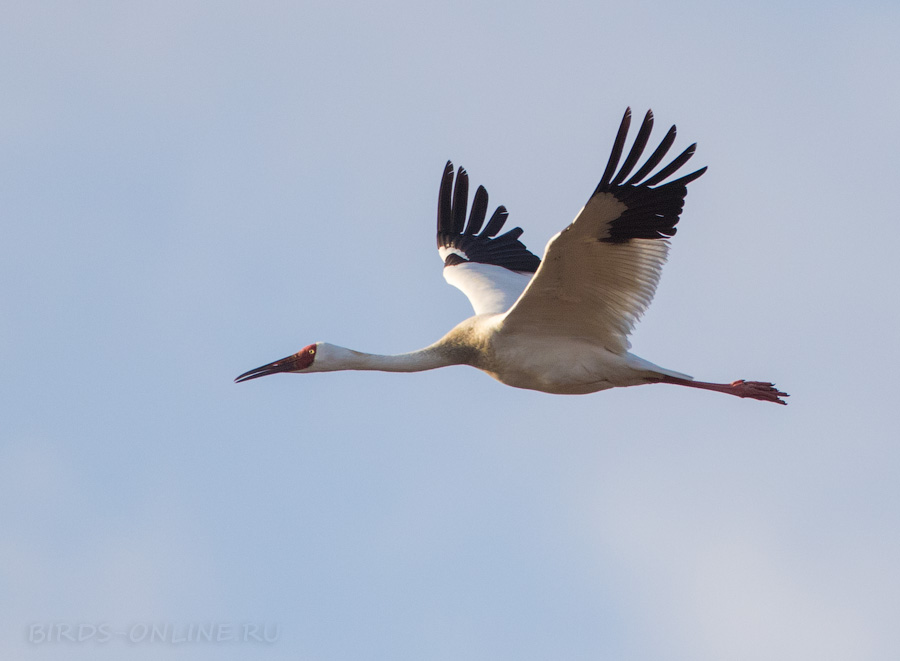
{"x":753,"y":389}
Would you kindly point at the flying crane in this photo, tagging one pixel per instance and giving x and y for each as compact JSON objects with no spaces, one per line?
{"x":558,"y":324}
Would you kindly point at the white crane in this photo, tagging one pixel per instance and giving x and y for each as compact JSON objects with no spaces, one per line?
{"x":561,"y":324}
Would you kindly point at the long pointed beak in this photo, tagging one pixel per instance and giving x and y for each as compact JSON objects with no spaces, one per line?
{"x":283,"y":365}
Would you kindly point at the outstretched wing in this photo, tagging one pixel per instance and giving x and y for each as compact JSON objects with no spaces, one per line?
{"x":492,"y":271}
{"x":599,"y":274}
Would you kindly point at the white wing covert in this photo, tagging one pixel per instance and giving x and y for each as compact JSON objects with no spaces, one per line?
{"x":492,"y":271}
{"x":600,"y":273}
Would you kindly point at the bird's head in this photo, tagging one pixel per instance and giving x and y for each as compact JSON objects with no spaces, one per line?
{"x":306,"y":360}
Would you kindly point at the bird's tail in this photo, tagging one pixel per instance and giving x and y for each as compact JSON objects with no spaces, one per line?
{"x":639,"y":363}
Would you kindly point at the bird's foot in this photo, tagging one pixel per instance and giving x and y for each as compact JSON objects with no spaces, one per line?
{"x":761,"y":390}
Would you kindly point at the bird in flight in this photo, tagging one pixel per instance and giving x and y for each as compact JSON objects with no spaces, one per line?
{"x":558,"y":324}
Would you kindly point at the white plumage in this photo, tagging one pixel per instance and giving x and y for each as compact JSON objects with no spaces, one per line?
{"x":559,"y":324}
{"x":491,"y":289}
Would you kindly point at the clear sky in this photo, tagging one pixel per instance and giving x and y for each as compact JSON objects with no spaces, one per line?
{"x":189,"y":190}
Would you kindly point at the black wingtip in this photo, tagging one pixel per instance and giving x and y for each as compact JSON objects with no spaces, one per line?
{"x":653,"y":205}
{"x":445,"y":208}
{"x":658,"y":155}
{"x":495,"y":224}
{"x":479,"y":211}
{"x":477,"y":244}
{"x":460,"y":201}
{"x":612,"y":180}
{"x":672,"y":167}
{"x":637,"y":149}
{"x":618,"y":145}
{"x":688,"y":178}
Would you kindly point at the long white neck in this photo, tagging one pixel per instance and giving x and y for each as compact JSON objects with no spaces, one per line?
{"x":331,"y":358}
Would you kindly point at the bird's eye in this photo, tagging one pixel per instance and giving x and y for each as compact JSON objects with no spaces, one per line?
{"x":312,"y":350}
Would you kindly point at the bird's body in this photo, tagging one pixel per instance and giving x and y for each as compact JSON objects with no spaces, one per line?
{"x":558,"y":325}
{"x":535,"y":362}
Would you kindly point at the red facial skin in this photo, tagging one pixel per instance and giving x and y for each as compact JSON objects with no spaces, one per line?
{"x":296,"y":363}
{"x":303,"y":358}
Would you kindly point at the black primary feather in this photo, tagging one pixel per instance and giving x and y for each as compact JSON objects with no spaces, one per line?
{"x":485,"y":247}
{"x":653,"y":208}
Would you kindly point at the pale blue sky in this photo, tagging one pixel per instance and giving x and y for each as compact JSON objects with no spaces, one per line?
{"x":190,"y":190}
